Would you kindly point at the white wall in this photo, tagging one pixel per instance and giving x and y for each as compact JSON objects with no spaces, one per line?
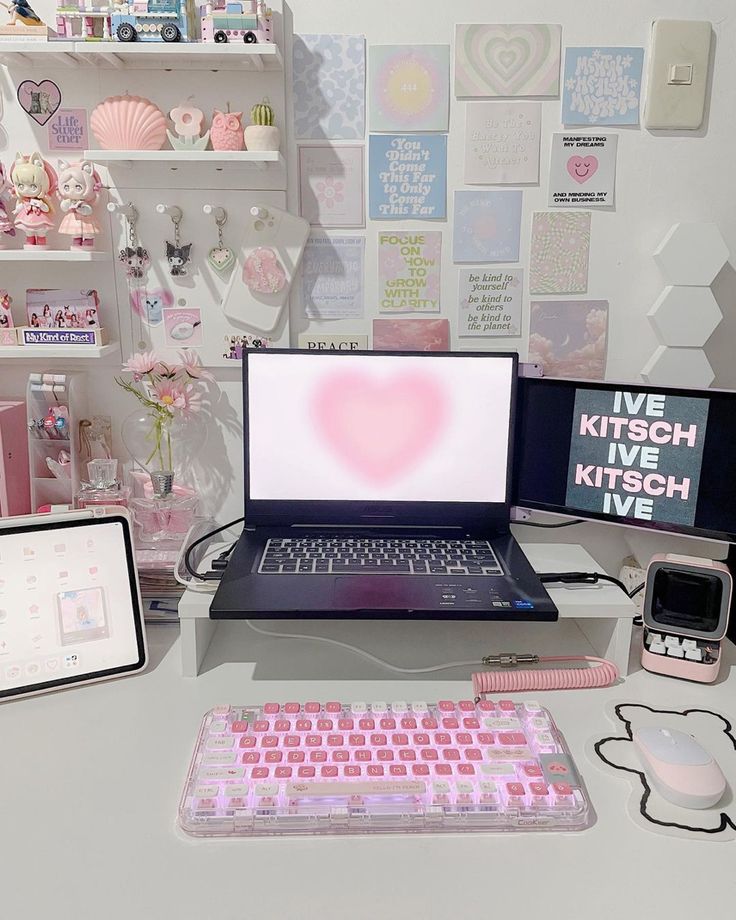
{"x":661,"y":179}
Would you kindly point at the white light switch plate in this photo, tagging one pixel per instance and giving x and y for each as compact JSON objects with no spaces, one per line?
{"x":678,"y":74}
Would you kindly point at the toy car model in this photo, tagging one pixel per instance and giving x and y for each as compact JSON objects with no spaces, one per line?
{"x":249,"y":21}
{"x":154,"y":21}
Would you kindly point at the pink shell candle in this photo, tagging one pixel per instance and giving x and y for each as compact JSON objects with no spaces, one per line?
{"x":128,"y":123}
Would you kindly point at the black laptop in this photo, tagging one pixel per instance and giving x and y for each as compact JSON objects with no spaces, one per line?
{"x":377,"y":485}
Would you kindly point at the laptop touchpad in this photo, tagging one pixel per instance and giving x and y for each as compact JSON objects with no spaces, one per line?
{"x":374,"y":591}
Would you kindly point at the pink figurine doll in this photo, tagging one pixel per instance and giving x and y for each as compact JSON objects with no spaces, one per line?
{"x":34,"y":181}
{"x":79,"y":189}
{"x":6,"y":223}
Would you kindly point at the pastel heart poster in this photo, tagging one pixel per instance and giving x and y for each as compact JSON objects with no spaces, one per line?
{"x":507,"y":60}
{"x":380,"y":428}
{"x":39,"y":100}
{"x":582,"y":168}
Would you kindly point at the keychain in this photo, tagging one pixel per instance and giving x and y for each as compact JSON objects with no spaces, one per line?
{"x":134,"y":257}
{"x":177,"y":255}
{"x":221,"y":257}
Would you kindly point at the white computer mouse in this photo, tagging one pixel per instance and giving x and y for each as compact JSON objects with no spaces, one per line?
{"x":680,"y":769}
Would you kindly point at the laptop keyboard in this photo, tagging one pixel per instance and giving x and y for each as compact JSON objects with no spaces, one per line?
{"x":310,"y":555}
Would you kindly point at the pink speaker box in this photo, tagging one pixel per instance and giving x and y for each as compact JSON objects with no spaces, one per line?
{"x":15,"y":484}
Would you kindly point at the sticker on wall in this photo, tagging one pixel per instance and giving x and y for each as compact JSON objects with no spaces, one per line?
{"x":490,"y":302}
{"x":409,"y":272}
{"x":558,"y":262}
{"x":507,"y":60}
{"x":183,"y":327}
{"x":316,"y":342}
{"x":502,"y":142}
{"x":39,"y":100}
{"x":150,"y":305}
{"x":67,"y":130}
{"x":568,"y":337}
{"x":331,"y":185}
{"x":487,"y":226}
{"x":329,"y":87}
{"x":411,"y":335}
{"x":582,"y":170}
{"x":602,"y":86}
{"x":408,"y":176}
{"x":234,"y":345}
{"x":409,"y":87}
{"x":332,"y":277}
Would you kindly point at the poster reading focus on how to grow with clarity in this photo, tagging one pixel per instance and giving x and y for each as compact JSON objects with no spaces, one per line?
{"x":582,"y":170}
{"x":331,"y":185}
{"x":602,"y":86}
{"x":487,"y":226}
{"x":409,"y":272}
{"x":408,"y":176}
{"x":637,"y":455}
{"x":490,"y":301}
{"x":502,"y":142}
{"x":409,"y":87}
{"x":332,"y":277}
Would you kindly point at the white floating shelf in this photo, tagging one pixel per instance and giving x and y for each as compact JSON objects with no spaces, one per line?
{"x":53,"y":255}
{"x":143,"y":55}
{"x":260,"y":159}
{"x":75,"y":352}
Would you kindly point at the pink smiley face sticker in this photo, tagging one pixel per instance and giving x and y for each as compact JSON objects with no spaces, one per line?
{"x":582,"y":168}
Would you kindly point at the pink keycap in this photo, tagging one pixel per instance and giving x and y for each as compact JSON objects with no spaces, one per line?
{"x":324,"y":725}
{"x":333,"y":707}
{"x":345,"y":725}
{"x":506,"y":706}
{"x":274,"y":756}
{"x":399,"y":739}
{"x":356,"y":740}
{"x":420,"y":738}
{"x":335,"y":740}
{"x":366,"y":724}
{"x":408,"y":722}
{"x":353,"y":770}
{"x":446,"y":706}
{"x":292,"y":708}
{"x":312,"y":707}
{"x":282,"y":772}
{"x":237,"y":801}
{"x":207,"y":803}
{"x":531,"y":769}
{"x":248,"y":741}
{"x":282,"y":725}
{"x":562,"y":788}
{"x":464,"y":738}
{"x":295,"y":757}
{"x":375,"y":769}
{"x":442,"y":738}
{"x":471,"y":723}
{"x":303,"y":725}
{"x":420,"y":769}
{"x":251,"y":757}
{"x":292,"y":741}
{"x":260,"y":772}
{"x":516,"y":789}
{"x":512,"y":738}
{"x":450,"y":724}
{"x":486,"y":706}
{"x":378,"y":739}
{"x":313,"y":740}
{"x":466,"y":769}
{"x":385,"y":754}
{"x":472,"y":753}
{"x":443,"y":769}
{"x":362,"y":755}
{"x":485,"y":738}
{"x":317,"y":756}
{"x":271,"y":708}
{"x":328,"y":771}
{"x":538,"y":788}
{"x":429,"y":723}
{"x":407,"y":754}
{"x":397,"y":769}
{"x":451,"y":754}
{"x":340,"y":756}
{"x":466,"y":706}
{"x":305,"y":772}
{"x":261,"y":725}
{"x":387,"y":724}
{"x":270,"y":741}
{"x":238,"y":727}
{"x":428,"y":754}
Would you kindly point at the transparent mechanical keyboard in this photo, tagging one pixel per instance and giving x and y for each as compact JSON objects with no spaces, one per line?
{"x":389,"y":555}
{"x":341,"y":768}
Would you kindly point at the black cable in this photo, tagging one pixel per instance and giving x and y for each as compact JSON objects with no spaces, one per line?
{"x":637,"y":589}
{"x":550,"y":526}
{"x":209,"y":576}
{"x":580,"y":578}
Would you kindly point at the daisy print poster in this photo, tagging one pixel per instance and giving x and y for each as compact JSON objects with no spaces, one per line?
{"x":331,"y":185}
{"x":409,"y":88}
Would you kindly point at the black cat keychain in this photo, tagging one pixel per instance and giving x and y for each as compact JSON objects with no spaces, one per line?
{"x":177,"y":256}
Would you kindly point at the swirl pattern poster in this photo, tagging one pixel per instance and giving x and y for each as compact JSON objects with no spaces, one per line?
{"x":507,"y":60}
{"x":409,"y":87}
{"x":558,"y":262}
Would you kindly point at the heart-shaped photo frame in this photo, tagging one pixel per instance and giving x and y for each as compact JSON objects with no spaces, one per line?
{"x":39,"y":100}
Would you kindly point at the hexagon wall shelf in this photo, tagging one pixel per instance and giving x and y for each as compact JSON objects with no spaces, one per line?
{"x":685,"y":316}
{"x":691,"y":254}
{"x":682,"y":367}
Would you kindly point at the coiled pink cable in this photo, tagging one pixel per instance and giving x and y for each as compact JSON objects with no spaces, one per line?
{"x":603,"y":675}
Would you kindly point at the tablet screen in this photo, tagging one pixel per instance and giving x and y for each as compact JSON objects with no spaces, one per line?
{"x":69,"y":607}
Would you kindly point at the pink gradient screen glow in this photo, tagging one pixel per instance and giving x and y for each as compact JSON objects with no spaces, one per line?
{"x":379,"y":428}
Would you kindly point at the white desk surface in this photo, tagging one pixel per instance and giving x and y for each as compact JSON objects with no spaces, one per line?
{"x":90,"y":780}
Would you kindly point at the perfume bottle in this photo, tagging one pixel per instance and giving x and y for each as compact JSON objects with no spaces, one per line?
{"x":103,"y":487}
{"x":163,"y":512}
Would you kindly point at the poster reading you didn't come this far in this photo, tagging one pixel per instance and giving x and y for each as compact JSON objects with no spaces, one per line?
{"x":636,"y":455}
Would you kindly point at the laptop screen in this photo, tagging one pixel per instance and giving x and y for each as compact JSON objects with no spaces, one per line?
{"x":376,"y":427}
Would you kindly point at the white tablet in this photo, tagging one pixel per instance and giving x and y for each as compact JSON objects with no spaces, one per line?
{"x":70,"y":607}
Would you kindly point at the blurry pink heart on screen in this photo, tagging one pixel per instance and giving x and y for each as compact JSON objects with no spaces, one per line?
{"x":380,"y":428}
